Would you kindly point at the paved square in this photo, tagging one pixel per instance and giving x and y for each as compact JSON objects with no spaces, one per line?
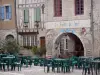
{"x":37,"y":70}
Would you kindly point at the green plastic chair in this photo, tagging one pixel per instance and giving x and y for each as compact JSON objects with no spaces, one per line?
{"x":87,"y":66}
{"x":2,"y":64}
{"x":66,"y":66}
{"x":16,"y":63}
{"x":74,"y":62}
{"x":36,"y":61}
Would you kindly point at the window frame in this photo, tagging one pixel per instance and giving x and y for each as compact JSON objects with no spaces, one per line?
{"x":66,"y":44}
{"x":81,"y":12}
{"x":5,"y":19}
{"x":27,"y":15}
{"x":56,"y":8}
{"x":29,"y":40}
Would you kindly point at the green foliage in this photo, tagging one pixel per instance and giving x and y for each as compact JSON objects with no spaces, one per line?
{"x":10,"y":46}
{"x":35,"y":50}
{"x":39,"y":50}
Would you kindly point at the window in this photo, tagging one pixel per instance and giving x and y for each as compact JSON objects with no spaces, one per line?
{"x":29,"y":40}
{"x":26,"y":16}
{"x":62,"y":46}
{"x":32,"y":41}
{"x":5,"y":12}
{"x":8,"y":12}
{"x":24,"y":40}
{"x":57,"y":8}
{"x":79,"y":7}
{"x":66,"y":44}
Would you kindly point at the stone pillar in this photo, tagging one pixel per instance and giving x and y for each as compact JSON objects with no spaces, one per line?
{"x":50,"y":35}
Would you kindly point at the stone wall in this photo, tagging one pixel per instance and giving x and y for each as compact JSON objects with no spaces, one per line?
{"x":4,"y":33}
{"x":96,"y":27}
{"x":68,"y":11}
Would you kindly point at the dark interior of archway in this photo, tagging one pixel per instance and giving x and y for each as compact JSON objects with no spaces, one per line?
{"x":79,"y":49}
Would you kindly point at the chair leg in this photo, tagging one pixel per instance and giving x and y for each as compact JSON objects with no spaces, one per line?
{"x":88,"y":71}
{"x":85,"y":71}
{"x":52,"y":68}
{"x":14,"y":67}
{"x":48,"y":68}
{"x":4,"y":67}
{"x":92,"y":70}
{"x":18,"y":67}
{"x":44,"y":68}
{"x":64,"y":69}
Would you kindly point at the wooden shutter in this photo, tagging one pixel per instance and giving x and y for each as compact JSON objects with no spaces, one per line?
{"x":37,"y":14}
{"x":26,"y":16}
{"x":2,"y":13}
{"x":10,"y":12}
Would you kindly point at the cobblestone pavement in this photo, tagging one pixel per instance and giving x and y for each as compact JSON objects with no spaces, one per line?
{"x":37,"y":70}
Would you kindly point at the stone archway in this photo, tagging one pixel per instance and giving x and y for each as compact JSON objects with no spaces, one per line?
{"x":78,"y":45}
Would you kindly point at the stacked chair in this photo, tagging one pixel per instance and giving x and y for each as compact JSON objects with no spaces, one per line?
{"x":87,"y":66}
{"x":14,"y":61}
{"x":74,"y":62}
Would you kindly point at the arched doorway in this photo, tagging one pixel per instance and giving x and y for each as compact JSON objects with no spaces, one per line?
{"x":9,"y":37}
{"x":68,"y":44}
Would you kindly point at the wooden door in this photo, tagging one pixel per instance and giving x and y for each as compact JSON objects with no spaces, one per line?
{"x":42,"y":41}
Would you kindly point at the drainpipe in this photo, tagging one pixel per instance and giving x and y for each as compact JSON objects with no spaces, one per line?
{"x":92,"y":26}
{"x":16,"y":21}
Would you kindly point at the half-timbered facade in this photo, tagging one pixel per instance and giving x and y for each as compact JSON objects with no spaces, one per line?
{"x":30,"y":22}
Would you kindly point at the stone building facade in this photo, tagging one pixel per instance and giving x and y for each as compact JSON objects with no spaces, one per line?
{"x":68,"y":26}
{"x":7,"y":19}
{"x":66,"y":32}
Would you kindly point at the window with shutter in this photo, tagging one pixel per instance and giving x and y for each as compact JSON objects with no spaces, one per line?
{"x":37,"y":14}
{"x":26,"y":16}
